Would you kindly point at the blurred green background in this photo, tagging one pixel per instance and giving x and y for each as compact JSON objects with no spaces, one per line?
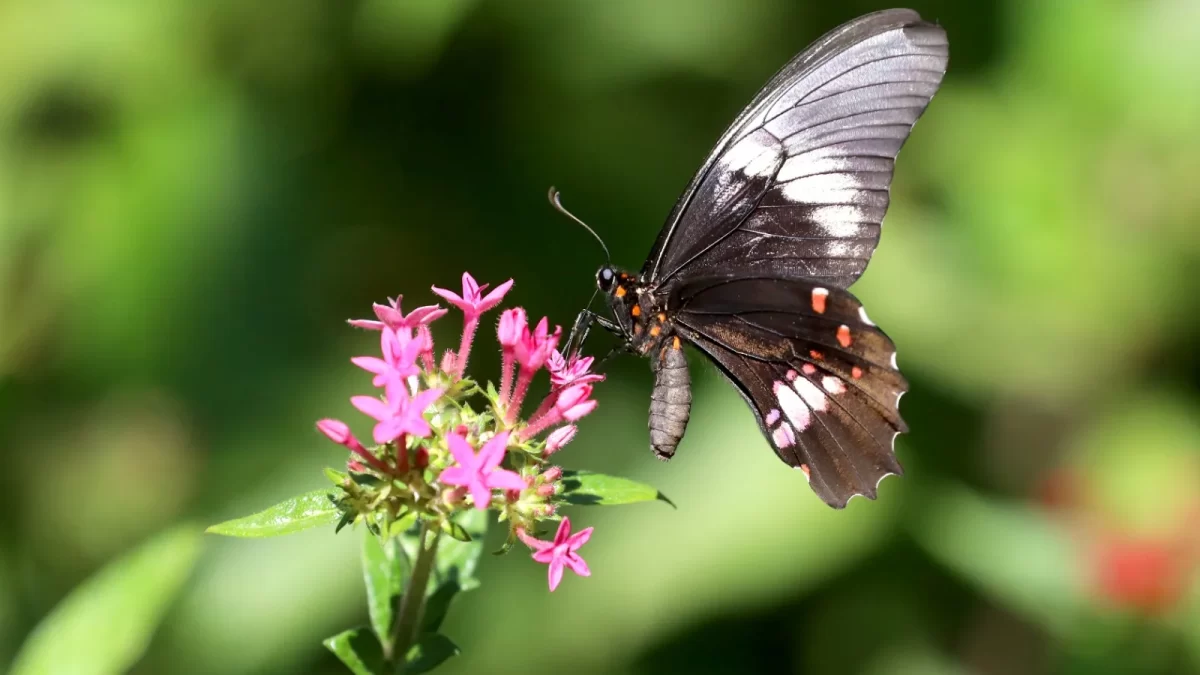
{"x":195,"y":195}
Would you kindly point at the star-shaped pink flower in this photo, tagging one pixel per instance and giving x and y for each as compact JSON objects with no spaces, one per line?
{"x":398,"y":413}
{"x":565,"y":372}
{"x":480,"y":474}
{"x":389,"y":315}
{"x":472,"y":302}
{"x":400,"y":351}
{"x":561,"y":552}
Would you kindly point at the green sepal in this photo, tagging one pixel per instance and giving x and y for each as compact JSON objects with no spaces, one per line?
{"x":359,"y":650}
{"x":584,"y":488}
{"x":455,"y":530}
{"x":302,"y":512}
{"x":431,"y":651}
{"x":402,"y":525}
{"x":336,"y":477}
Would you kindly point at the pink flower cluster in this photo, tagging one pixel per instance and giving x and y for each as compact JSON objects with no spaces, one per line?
{"x":413,"y":383}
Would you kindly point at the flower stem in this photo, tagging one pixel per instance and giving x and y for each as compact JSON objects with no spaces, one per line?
{"x":464,"y":349}
{"x":412,"y":603}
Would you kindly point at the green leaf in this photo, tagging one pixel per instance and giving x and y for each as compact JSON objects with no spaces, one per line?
{"x":584,"y":488}
{"x":438,"y":605}
{"x":104,"y":625}
{"x":430,"y":652}
{"x":402,"y":524}
{"x":303,"y":512}
{"x":384,"y":569}
{"x":358,"y":649}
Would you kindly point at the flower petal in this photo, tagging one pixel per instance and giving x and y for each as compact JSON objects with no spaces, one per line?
{"x":481,"y":495}
{"x":387,"y":431}
{"x":544,"y":555}
{"x":577,"y":565}
{"x":556,"y":573}
{"x":452,"y":298}
{"x":504,"y":479}
{"x":492,"y":299}
{"x":372,"y":406}
{"x":579,"y":538}
{"x":365,"y":323}
{"x":470,"y":288}
{"x":462,"y":452}
{"x":564,"y":531}
{"x":492,"y":452}
{"x":455,"y":475}
{"x":337,"y":430}
{"x":371,"y":364}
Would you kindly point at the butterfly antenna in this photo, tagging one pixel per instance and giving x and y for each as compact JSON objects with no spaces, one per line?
{"x":556,"y":202}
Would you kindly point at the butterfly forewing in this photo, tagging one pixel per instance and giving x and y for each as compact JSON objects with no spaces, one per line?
{"x":818,"y":373}
{"x":798,"y":186}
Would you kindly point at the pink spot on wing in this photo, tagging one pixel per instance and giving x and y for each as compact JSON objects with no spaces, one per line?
{"x":808,"y":369}
{"x":833,"y":385}
{"x":772,"y":417}
{"x":792,"y":375}
{"x":856,"y":372}
{"x":783,"y":436}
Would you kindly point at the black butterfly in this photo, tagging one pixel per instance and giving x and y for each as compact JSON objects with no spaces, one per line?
{"x":753,"y":263}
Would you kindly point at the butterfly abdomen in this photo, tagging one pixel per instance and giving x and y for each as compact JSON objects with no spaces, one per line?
{"x":671,"y":401}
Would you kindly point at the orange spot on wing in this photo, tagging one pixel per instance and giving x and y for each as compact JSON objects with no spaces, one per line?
{"x":816,"y":354}
{"x":655,"y":330}
{"x":675,"y":343}
{"x":637,"y":310}
{"x":620,"y":292}
{"x":807,"y":471}
{"x":843,"y":335}
{"x":856,"y":372}
{"x":662,"y":316}
{"x":818,"y":300}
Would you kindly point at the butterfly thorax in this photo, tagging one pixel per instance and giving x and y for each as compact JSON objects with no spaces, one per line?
{"x":646,"y":324}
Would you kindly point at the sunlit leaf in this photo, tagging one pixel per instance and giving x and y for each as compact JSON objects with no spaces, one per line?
{"x":104,"y":625}
{"x":584,"y":488}
{"x":358,"y":649}
{"x":384,"y":569}
{"x":306,"y":511}
{"x":430,"y":652}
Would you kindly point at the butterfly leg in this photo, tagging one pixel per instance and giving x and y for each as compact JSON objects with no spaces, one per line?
{"x":583,"y":325}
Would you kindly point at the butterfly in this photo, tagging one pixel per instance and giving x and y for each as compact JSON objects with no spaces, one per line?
{"x":753,"y":264}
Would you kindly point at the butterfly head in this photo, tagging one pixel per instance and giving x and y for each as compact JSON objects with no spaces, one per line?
{"x":606,"y":277}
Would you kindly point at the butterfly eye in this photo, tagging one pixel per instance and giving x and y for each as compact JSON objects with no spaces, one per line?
{"x":605,"y":278}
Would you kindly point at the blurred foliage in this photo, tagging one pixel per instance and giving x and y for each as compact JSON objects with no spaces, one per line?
{"x":194,"y":195}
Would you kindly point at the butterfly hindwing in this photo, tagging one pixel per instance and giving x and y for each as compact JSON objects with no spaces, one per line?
{"x":818,"y":373}
{"x":798,"y":185}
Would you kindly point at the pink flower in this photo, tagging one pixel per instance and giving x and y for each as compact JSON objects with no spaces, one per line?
{"x":480,"y":473}
{"x":531,"y":352}
{"x":472,"y":302}
{"x":573,"y":402}
{"x":397,"y":413}
{"x":390,"y":316}
{"x":565,"y":372}
{"x":513,"y":325}
{"x":535,"y":346}
{"x":559,"y":437}
{"x":561,"y":552}
{"x":399,"y":360}
{"x":569,"y":405}
{"x":339,"y":433}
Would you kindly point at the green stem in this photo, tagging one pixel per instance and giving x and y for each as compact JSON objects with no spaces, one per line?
{"x":412,"y":603}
